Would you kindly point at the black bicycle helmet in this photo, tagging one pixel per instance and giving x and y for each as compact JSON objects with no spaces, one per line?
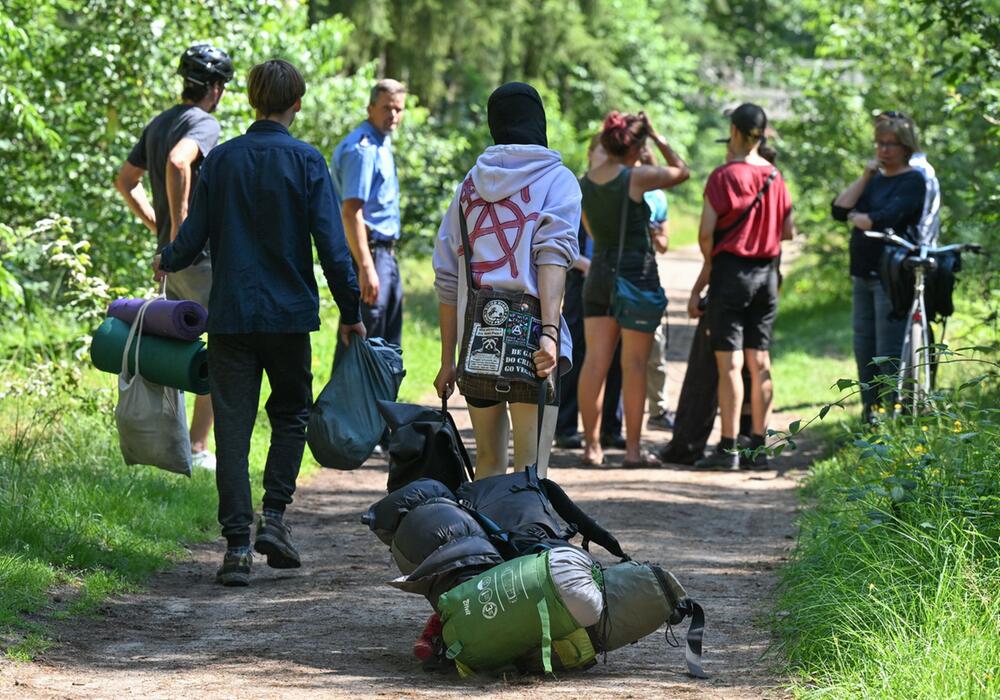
{"x":205,"y":64}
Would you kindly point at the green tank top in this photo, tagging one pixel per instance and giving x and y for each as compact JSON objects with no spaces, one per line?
{"x":603,"y":206}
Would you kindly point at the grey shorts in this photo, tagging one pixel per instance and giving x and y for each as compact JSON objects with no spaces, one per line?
{"x":193,"y":283}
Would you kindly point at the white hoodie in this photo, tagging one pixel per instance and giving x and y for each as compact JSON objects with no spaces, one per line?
{"x":534,"y":200}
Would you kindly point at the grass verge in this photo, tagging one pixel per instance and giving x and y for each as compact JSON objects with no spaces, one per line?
{"x":894,"y":588}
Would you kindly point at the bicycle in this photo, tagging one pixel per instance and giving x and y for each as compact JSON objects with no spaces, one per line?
{"x":915,"y":362}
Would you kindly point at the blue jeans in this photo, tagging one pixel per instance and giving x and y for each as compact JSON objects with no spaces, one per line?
{"x":875,"y":335}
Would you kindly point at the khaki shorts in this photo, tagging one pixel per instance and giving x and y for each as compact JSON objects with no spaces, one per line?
{"x":193,"y":283}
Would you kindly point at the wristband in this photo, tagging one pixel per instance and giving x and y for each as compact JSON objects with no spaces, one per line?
{"x":550,"y":325}
{"x":551,"y":337}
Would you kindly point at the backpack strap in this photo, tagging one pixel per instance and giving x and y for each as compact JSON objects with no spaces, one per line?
{"x":583,"y":523}
{"x":462,"y":452}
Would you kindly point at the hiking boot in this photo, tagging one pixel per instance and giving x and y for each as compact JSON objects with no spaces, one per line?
{"x":613,"y":441}
{"x":720,"y":460}
{"x":235,"y":569}
{"x":274,"y":540}
{"x":569,"y":442}
{"x":664,"y":420}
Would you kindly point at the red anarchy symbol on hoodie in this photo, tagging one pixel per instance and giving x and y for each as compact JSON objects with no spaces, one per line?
{"x":488,"y":223}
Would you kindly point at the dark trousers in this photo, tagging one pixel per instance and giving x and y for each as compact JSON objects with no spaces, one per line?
{"x":236,"y":363}
{"x":384,"y":318}
{"x":569,"y":407}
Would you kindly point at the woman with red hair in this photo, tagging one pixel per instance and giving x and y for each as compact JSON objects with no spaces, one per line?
{"x":609,"y":185}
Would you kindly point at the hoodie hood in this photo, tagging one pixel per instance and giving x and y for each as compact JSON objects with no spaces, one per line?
{"x":500,"y":171}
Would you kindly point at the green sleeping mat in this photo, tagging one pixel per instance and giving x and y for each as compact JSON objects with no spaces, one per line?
{"x":177,"y":364}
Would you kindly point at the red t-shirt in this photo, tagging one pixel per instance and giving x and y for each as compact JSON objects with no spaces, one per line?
{"x":730,"y":189}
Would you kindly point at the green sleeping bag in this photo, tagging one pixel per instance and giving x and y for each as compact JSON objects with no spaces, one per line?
{"x":177,"y":364}
{"x":504,"y":613}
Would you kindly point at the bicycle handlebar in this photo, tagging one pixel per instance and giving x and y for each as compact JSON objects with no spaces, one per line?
{"x":891,"y":237}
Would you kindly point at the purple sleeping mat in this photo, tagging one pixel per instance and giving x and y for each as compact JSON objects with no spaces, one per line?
{"x":183,"y":320}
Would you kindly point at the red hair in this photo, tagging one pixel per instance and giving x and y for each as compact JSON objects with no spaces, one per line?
{"x":621,"y":132}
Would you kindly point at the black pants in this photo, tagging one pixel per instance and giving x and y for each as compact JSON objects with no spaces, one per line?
{"x":569,"y":407}
{"x":236,"y":363}
{"x":384,"y":318}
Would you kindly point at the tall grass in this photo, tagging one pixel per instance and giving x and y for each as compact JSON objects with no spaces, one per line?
{"x":894,"y":589}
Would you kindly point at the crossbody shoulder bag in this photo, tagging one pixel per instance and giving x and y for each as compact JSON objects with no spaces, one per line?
{"x":501,"y":332}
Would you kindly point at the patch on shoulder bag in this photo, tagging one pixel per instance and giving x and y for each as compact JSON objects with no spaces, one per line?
{"x":486,"y":349}
{"x":495,"y":312}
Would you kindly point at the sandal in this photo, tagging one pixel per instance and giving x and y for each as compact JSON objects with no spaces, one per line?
{"x":591,"y":462}
{"x":647,"y":461}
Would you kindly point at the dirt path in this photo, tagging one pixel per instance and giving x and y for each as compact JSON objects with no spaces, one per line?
{"x":332,"y":629}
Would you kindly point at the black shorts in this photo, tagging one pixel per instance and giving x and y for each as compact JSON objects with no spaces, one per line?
{"x":638,"y":267}
{"x":742,"y":302}
{"x":486,"y":403}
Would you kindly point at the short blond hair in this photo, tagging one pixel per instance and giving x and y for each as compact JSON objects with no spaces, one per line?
{"x":274,"y":86}
{"x":386,"y":85}
{"x":902,"y":128}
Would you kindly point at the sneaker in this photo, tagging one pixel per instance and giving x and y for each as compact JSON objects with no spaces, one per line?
{"x":720,"y":459}
{"x":235,"y":569}
{"x":614,"y":441}
{"x":569,"y":442}
{"x":203,"y":460}
{"x":274,"y":540}
{"x":757,"y":462}
{"x":664,"y":420}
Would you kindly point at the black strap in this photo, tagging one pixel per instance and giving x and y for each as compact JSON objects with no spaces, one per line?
{"x":624,"y":221}
{"x":591,"y":530}
{"x":695,"y":636}
{"x":463,"y":453}
{"x":466,"y":249}
{"x":720,"y":233}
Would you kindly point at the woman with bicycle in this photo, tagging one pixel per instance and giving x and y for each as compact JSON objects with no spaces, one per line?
{"x":889,"y":194}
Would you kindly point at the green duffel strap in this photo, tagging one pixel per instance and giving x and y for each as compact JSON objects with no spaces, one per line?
{"x":543,"y":617}
{"x":454,"y":650}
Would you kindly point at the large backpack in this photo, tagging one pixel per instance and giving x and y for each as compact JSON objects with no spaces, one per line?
{"x":424,"y":443}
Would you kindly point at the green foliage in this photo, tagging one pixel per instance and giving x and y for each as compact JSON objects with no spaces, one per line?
{"x":892,"y":591}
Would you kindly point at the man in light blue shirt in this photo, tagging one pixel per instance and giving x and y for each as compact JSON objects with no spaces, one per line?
{"x":366,"y":190}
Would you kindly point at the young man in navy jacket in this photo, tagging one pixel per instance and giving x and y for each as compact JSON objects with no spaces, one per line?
{"x":263,"y":200}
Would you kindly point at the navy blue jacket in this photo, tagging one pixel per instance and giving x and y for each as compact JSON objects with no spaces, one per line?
{"x":259,"y":198}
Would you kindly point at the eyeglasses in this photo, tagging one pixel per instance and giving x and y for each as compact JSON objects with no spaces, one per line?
{"x":892,"y":114}
{"x":887,"y":144}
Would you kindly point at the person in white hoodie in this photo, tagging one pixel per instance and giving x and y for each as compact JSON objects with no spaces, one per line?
{"x":521,"y":207}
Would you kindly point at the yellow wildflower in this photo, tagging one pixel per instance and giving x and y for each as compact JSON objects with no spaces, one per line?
{"x":958,"y":426}
{"x":898,"y":406}
{"x":919,"y":449}
{"x":924,"y":428}
{"x":881,"y":410}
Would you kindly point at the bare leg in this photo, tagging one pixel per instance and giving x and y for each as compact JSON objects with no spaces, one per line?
{"x":201,"y":422}
{"x":730,"y":366}
{"x":524,"y":418}
{"x":635,"y":356}
{"x":761,"y":388}
{"x":491,"y":429}
{"x":601,"y":333}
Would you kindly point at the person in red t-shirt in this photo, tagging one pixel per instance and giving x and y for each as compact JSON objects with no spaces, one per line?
{"x":746,"y":214}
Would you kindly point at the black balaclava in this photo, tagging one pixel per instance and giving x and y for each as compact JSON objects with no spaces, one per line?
{"x":516,"y":115}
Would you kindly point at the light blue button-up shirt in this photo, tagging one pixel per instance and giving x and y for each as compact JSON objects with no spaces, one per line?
{"x":363,"y":168}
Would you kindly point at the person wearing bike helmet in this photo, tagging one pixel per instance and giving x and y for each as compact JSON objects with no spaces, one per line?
{"x":171,"y":149}
{"x":889,"y":194}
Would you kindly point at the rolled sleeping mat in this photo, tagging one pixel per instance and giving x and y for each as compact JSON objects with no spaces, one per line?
{"x":640,"y":598}
{"x":181,"y":320}
{"x":174,"y":363}
{"x":579,"y":582}
{"x":384,"y":517}
{"x":427,"y":527}
{"x":448,"y":566}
